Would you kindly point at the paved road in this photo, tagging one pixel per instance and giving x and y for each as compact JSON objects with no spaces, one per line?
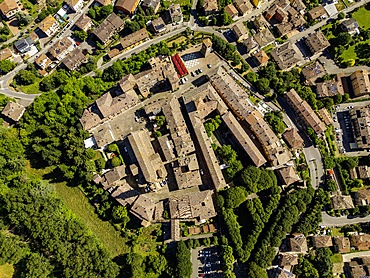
{"x":348,"y":257}
{"x":4,"y":87}
{"x":332,"y":68}
{"x":330,"y":221}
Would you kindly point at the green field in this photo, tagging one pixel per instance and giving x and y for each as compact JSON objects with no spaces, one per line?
{"x":76,"y":201}
{"x":363,"y":17}
{"x":336,"y":258}
{"x":181,"y":2}
{"x":6,"y":271}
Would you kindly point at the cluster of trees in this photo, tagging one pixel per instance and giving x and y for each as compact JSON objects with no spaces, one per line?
{"x":4,"y":33}
{"x":6,"y":66}
{"x":150,"y":266}
{"x":252,"y":214}
{"x":311,"y":219}
{"x":80,"y":34}
{"x":183,"y":261}
{"x":23,"y":19}
{"x":27,"y":76}
{"x":344,"y":165}
{"x":227,"y":258}
{"x":286,"y":215}
{"x":269,"y":77}
{"x":342,"y":40}
{"x":275,"y":120}
{"x":229,"y":52}
{"x":229,"y":156}
{"x":135,"y":63}
{"x":66,"y":248}
{"x":51,"y":131}
{"x":257,"y":179}
{"x":316,"y":266}
{"x":212,"y":125}
{"x":100,"y":13}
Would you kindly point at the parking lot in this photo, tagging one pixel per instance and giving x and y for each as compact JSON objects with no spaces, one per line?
{"x":206,"y":262}
{"x":343,"y":131}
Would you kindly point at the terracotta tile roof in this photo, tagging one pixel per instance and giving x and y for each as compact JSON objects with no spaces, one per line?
{"x":322,"y":241}
{"x":294,"y":140}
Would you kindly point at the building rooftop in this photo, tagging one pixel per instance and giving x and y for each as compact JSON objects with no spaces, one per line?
{"x":360,"y":82}
{"x":74,"y":59}
{"x":304,"y":110}
{"x":231,"y":10}
{"x":83,"y":21}
{"x":243,"y":139}
{"x":360,"y":120}
{"x":197,"y":205}
{"x":5,"y":53}
{"x":317,"y":42}
{"x":144,"y":209}
{"x":239,"y":30}
{"x":340,"y":202}
{"x":298,"y":243}
{"x":360,"y":242}
{"x":288,"y":175}
{"x":8,"y":5}
{"x":322,"y":241}
{"x":178,"y":128}
{"x":13,"y":111}
{"x":313,"y":71}
{"x":285,"y":56}
{"x":128,"y":6}
{"x":316,"y":12}
{"x":134,"y":38}
{"x":60,"y":48}
{"x":113,"y":23}
{"x":250,"y":44}
{"x":46,"y":23}
{"x":264,"y":37}
{"x":110,"y":178}
{"x":341,"y":244}
{"x":149,"y":161}
{"x":294,"y":140}
{"x":125,"y":194}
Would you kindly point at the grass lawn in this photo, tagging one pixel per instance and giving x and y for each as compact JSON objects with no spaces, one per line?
{"x":336,"y":258}
{"x":350,"y":52}
{"x":336,"y":232}
{"x":6,"y":271}
{"x":179,"y":41}
{"x":363,"y":17}
{"x":76,"y":201}
{"x":181,"y":2}
{"x":31,"y":89}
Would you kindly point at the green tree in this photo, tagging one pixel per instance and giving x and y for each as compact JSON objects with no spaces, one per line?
{"x":263,"y":85}
{"x":81,"y":34}
{"x":116,"y":161}
{"x":306,"y":269}
{"x":183,"y":265}
{"x":113,"y":148}
{"x":25,"y":77}
{"x":234,"y":196}
{"x":23,"y":19}
{"x":120,"y":214}
{"x":6,"y":66}
{"x":37,"y":266}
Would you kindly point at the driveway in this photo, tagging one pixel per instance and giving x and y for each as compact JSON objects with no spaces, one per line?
{"x":330,"y":221}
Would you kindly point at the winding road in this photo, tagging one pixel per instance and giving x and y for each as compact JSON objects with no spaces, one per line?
{"x":330,"y":221}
